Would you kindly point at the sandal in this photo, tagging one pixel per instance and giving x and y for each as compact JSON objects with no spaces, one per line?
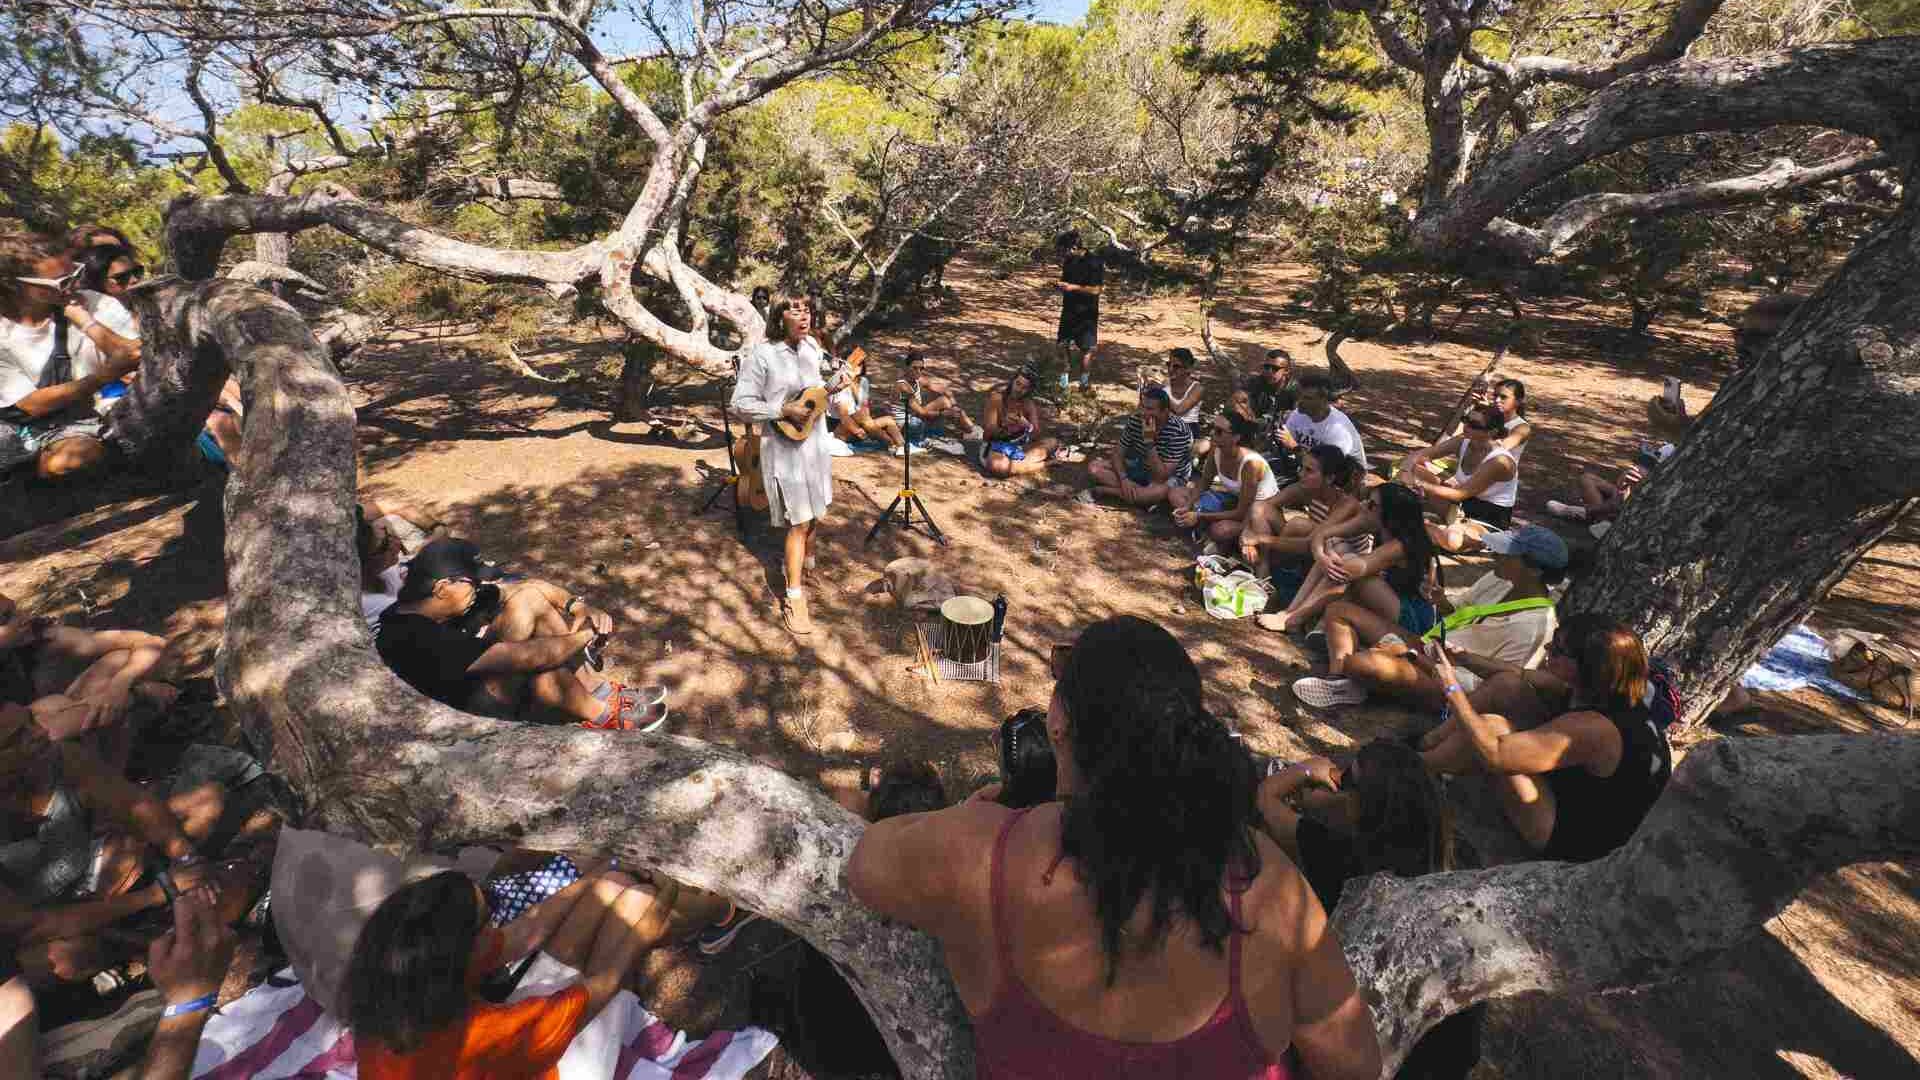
{"x":617,"y":704}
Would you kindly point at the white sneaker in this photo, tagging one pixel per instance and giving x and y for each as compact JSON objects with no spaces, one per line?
{"x":837,"y":447}
{"x":1084,"y":498}
{"x":1323,"y":693}
{"x":902,"y":450}
{"x":1566,"y":510}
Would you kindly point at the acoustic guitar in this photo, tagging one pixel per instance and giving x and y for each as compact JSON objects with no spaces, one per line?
{"x":752,"y":484}
{"x":814,"y":398}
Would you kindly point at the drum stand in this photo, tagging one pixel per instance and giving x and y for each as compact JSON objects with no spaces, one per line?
{"x":730,"y":483}
{"x":900,"y":510}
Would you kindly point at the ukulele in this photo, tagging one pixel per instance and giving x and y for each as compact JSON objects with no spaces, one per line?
{"x":814,"y":398}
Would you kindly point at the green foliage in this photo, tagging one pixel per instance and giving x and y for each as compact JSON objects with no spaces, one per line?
{"x":98,"y":179}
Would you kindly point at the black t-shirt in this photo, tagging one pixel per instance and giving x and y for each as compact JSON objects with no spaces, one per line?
{"x":433,"y":657}
{"x":1270,"y":403}
{"x":1080,"y":310}
{"x":1595,"y":814}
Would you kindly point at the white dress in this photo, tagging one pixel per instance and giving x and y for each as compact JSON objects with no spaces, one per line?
{"x":799,"y":476}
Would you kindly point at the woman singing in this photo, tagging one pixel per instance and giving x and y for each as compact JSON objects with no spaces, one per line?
{"x":798,"y":475}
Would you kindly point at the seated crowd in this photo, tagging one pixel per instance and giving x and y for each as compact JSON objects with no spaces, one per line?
{"x":1191,"y":933}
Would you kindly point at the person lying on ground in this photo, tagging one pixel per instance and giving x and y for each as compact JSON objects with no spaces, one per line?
{"x":531,"y":660}
{"x":1510,"y":637}
{"x":1177,"y":940}
{"x":1183,"y":396}
{"x":1381,"y":813}
{"x":58,"y":348}
{"x":1153,"y":455}
{"x":1391,"y":577}
{"x":927,"y":407}
{"x":1328,"y":487}
{"x":1576,"y":786}
{"x":410,"y":997}
{"x":1602,"y":500}
{"x":1229,"y":487}
{"x":1478,"y":496}
{"x":386,"y":534}
{"x":78,"y":839}
{"x":1017,"y":445}
{"x":1315,"y":421}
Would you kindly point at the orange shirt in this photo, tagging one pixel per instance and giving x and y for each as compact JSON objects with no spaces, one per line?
{"x":494,"y":1042}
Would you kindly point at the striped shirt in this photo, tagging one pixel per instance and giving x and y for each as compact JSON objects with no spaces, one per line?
{"x":1175,"y":445}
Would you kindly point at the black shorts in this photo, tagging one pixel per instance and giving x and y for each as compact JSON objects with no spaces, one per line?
{"x":1483,"y":511}
{"x":1084,"y":336}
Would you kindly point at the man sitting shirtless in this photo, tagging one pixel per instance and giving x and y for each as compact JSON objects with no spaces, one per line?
{"x":529,"y":661}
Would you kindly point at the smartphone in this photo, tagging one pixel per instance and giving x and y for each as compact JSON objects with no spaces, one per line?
{"x":1442,"y":624}
{"x":1057,"y":659}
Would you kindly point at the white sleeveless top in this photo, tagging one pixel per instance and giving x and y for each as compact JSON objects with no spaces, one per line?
{"x":1504,"y":493}
{"x":1269,"y":486}
{"x":1191,"y":416}
{"x":1518,"y":451}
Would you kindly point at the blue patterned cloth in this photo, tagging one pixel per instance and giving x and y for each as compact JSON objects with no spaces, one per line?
{"x":511,"y":895}
{"x":1801,"y":658}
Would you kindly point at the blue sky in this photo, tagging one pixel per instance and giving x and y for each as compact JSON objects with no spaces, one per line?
{"x":1060,"y":11}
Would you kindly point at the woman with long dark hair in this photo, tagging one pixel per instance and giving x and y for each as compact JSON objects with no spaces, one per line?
{"x":798,"y":475}
{"x":410,"y":988}
{"x":1241,"y":484}
{"x":1478,"y":496}
{"x":1578,"y":785}
{"x":1143,"y":924}
{"x":1327,"y":487}
{"x":1391,"y":578}
{"x":1016,"y":444}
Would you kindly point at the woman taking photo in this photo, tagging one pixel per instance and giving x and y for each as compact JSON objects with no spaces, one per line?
{"x":1391,"y":578}
{"x":798,"y":475}
{"x":1142,"y":925}
{"x":1241,"y":484}
{"x":1183,"y":390}
{"x":1578,"y":785}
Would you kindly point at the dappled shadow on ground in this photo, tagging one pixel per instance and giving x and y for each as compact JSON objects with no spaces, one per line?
{"x":537,"y":475}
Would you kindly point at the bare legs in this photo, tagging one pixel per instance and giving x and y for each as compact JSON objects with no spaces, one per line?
{"x":1526,"y":800}
{"x":527,"y":614}
{"x":70,"y":456}
{"x":1039,"y":455}
{"x":798,"y":548}
{"x":1106,"y":482}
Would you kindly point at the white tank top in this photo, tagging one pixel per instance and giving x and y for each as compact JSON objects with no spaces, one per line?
{"x":1269,"y":486}
{"x":1191,"y":416}
{"x":1518,"y":451}
{"x":1503,"y":493}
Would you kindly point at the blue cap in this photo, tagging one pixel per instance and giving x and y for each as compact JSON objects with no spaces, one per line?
{"x":1537,"y":544}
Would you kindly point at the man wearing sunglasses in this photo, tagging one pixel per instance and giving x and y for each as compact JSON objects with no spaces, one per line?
{"x":59,"y":346}
{"x":1267,"y":397}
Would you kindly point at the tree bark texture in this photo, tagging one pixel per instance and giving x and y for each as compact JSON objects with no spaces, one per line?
{"x":1870,"y":88}
{"x":1743,"y":826}
{"x":1803,"y":461}
{"x":1722,"y":852}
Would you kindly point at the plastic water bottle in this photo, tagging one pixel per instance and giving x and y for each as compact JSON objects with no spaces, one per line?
{"x":999,"y":616}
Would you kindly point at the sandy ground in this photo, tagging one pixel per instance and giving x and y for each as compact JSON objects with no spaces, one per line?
{"x":536,"y":475}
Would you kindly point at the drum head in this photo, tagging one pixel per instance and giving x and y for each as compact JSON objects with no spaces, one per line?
{"x":967,"y":610}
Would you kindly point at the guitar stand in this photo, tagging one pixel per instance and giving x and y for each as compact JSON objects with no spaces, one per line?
{"x":900,"y":511}
{"x":730,"y":483}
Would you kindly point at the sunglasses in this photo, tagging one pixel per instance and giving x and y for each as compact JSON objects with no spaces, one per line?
{"x":1471,"y":426}
{"x":128,"y":276}
{"x":1276,"y":367}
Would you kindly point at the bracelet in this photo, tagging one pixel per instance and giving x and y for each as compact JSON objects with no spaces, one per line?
{"x":1453,"y":688}
{"x":199,"y":1004}
{"x":572,"y":600}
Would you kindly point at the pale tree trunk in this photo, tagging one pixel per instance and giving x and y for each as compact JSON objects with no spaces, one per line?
{"x":1803,"y":462}
{"x":1745,"y":824}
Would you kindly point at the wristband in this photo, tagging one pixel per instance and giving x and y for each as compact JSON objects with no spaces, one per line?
{"x":199,"y":1004}
{"x":1453,"y":688}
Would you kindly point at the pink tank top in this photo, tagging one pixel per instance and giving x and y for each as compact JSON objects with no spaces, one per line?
{"x":1019,"y":1038}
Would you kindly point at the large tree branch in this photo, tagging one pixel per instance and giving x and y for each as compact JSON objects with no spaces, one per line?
{"x":1744,"y":825}
{"x":1552,"y":237}
{"x":1684,"y":27}
{"x":1870,"y":88}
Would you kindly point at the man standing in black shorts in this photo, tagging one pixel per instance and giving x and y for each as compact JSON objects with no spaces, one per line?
{"x":1082,"y":274}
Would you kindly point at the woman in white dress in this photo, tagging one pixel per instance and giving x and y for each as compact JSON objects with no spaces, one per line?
{"x":798,"y":475}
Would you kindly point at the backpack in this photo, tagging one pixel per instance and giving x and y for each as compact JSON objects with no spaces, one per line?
{"x":1665,"y":704}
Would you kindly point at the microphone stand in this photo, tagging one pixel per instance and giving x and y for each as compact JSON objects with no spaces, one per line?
{"x":906,"y":501}
{"x":730,"y":483}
